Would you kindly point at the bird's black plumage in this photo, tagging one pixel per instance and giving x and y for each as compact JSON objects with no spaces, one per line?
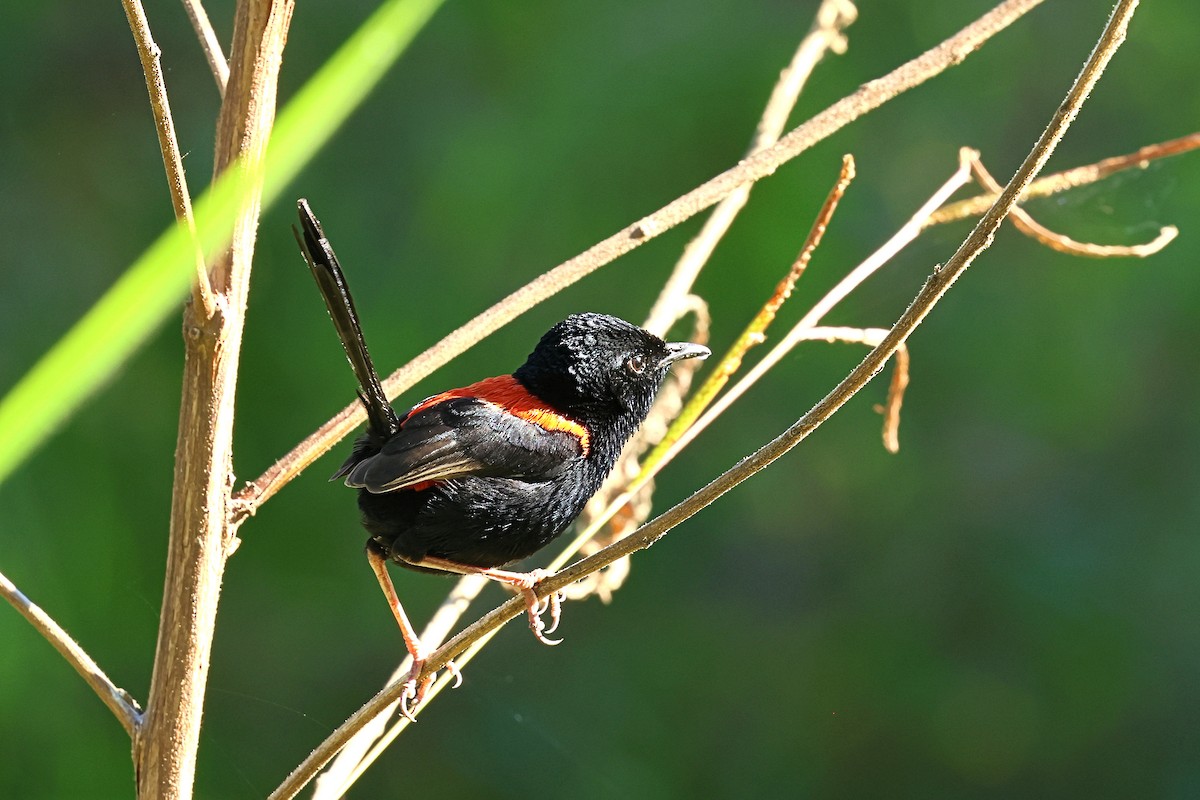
{"x":476,"y":478}
{"x":504,"y":487}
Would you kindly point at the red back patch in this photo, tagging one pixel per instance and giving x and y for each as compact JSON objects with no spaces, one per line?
{"x":507,"y":393}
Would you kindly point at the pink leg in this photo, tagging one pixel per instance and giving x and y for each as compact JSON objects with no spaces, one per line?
{"x":415,"y":687}
{"x":525,"y":582}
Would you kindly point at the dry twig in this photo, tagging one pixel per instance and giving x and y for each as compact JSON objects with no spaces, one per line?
{"x":890,"y":409}
{"x":1070,"y":179}
{"x":208,"y":43}
{"x":755,"y":332}
{"x":1064,"y":244}
{"x":831,"y":19}
{"x":119,"y":702}
{"x":150,"y":57}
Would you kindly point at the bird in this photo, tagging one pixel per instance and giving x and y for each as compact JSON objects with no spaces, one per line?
{"x":471,"y":480}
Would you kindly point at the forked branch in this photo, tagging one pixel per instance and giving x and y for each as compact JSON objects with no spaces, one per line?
{"x":1071,"y":178}
{"x":1065,"y":244}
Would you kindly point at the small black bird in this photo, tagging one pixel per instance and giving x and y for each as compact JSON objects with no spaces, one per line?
{"x":473,"y":479}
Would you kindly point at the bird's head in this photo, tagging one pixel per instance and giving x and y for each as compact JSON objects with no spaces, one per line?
{"x":593,"y":366}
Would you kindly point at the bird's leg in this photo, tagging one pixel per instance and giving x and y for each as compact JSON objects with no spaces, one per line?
{"x":415,"y":688}
{"x":524,"y":582}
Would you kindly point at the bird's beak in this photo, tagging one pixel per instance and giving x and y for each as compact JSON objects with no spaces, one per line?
{"x":677,"y":351}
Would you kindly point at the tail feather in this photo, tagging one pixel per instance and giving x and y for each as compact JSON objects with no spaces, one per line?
{"x":332,"y":283}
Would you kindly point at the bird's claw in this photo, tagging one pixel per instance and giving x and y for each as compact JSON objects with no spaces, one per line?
{"x":416,"y":687}
{"x":454,"y":671}
{"x":554,"y":606}
{"x":537,"y":607}
{"x":411,"y":697}
{"x":415,"y":690}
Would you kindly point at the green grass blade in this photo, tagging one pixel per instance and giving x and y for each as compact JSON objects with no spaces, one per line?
{"x":92,"y":351}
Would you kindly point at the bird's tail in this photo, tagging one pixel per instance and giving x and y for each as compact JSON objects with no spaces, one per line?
{"x":332,"y":283}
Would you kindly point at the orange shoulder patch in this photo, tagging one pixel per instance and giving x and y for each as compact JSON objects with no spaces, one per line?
{"x":506,"y":392}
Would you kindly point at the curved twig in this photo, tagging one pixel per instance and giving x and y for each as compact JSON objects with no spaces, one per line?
{"x":1065,"y":244}
{"x":1069,"y":179}
{"x":119,"y":702}
{"x":890,"y":408}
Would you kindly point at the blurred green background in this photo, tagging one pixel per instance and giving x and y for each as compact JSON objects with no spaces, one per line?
{"x":1008,"y":607}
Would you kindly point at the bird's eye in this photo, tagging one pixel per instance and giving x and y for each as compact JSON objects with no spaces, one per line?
{"x":636,"y":364}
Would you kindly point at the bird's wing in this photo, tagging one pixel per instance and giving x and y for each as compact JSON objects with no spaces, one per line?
{"x":464,"y":436}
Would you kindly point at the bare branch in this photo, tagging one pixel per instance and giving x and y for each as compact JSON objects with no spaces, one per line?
{"x":895,"y":398}
{"x":1079,"y":176}
{"x":1064,"y":244}
{"x":123,"y":707}
{"x":825,"y":35}
{"x":755,"y":332}
{"x":934,"y":289}
{"x":868,"y":97}
{"x":150,"y":55}
{"x":208,"y":43}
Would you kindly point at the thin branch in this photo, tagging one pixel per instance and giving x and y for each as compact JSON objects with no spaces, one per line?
{"x":868,"y":97}
{"x":1064,"y":244}
{"x":150,"y":56}
{"x":755,"y":332}
{"x":871,"y":337}
{"x":898,"y":241}
{"x":119,"y":702}
{"x":208,"y":43}
{"x":1079,"y":176}
{"x":933,"y":290}
{"x":831,"y":19}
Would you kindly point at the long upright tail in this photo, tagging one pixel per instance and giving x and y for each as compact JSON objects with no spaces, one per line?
{"x":332,"y":283}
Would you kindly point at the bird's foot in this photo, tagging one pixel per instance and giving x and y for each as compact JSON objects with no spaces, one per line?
{"x":416,"y":687}
{"x":536,"y":607}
